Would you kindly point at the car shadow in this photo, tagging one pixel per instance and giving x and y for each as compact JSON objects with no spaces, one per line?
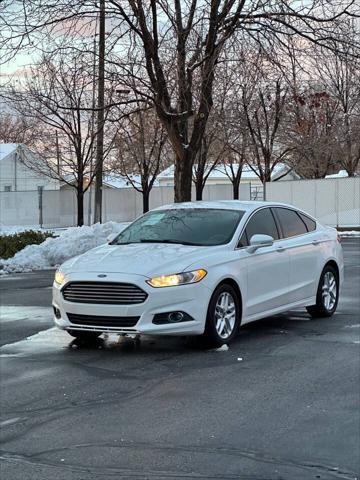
{"x":281,"y":324}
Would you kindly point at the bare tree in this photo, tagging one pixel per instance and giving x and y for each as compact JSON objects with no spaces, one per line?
{"x":140,"y":145}
{"x":209,"y":156}
{"x":220,"y":141}
{"x":17,"y":129}
{"x":312,"y":133}
{"x":57,"y":94}
{"x":234,"y":162}
{"x":200,"y":33}
{"x":339,"y":73}
{"x":265,"y":112}
{"x":232,"y":129}
{"x":178,"y":45}
{"x":231,"y":140}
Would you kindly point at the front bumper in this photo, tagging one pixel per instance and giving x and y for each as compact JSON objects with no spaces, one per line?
{"x":192,"y":299}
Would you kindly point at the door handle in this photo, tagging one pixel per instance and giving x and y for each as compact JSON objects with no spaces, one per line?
{"x":315,"y":242}
{"x":280,"y":249}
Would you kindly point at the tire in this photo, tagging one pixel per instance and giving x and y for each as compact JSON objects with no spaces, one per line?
{"x":327,"y":295}
{"x":218,"y":331}
{"x":84,"y":336}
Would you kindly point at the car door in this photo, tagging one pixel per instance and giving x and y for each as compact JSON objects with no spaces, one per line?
{"x":268,"y":268}
{"x":300,"y":237}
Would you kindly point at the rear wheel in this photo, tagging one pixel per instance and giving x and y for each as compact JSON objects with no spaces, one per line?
{"x":85,"y":336}
{"x":223,"y":317}
{"x":327,"y":294}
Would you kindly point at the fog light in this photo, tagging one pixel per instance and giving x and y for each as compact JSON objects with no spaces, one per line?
{"x":171,"y":317}
{"x":57,"y":313}
{"x":175,"y":317}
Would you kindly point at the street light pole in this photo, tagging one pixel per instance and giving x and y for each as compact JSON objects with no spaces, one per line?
{"x":100,"y":117}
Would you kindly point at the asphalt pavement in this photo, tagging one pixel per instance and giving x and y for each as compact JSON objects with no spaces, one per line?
{"x":281,"y":403}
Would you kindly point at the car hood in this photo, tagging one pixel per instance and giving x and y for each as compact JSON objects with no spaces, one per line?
{"x":148,"y":259}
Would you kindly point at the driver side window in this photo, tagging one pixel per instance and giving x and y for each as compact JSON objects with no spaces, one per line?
{"x":261,"y":222}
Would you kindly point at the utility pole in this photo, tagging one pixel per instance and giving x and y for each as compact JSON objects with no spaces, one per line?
{"x":100,"y":117}
{"x":93,"y":150}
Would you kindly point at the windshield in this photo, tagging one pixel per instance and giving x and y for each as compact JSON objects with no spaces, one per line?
{"x":186,"y":226}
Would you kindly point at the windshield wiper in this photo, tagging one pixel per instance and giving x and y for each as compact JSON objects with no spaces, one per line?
{"x":177,"y":242}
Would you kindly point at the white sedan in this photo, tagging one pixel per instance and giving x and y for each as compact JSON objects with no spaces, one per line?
{"x":201,"y":268}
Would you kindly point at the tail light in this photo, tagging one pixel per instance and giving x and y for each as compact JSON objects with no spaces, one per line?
{"x":338,"y":237}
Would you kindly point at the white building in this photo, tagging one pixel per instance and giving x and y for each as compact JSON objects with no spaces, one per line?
{"x":220,"y":175}
{"x":16,"y":176}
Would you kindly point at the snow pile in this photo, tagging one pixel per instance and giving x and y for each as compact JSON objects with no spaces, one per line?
{"x":54,"y":251}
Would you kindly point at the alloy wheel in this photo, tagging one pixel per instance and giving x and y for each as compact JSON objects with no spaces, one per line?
{"x":225,"y":315}
{"x":329,"y":290}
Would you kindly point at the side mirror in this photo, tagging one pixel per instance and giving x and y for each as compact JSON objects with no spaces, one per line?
{"x":111,"y":237}
{"x":258,"y":241}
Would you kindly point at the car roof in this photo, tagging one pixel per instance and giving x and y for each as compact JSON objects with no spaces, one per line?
{"x":224,"y":204}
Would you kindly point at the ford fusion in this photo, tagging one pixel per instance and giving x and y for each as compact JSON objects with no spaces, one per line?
{"x":201,"y":268}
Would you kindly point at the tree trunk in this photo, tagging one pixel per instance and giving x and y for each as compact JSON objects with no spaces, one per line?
{"x":267,"y":174}
{"x":183,"y":178}
{"x":201,"y":167}
{"x":145,"y":200}
{"x":80,"y":205}
{"x":199,"y":187}
{"x":236,"y":190}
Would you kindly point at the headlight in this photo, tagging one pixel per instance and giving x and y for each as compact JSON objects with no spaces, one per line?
{"x":177,"y":279}
{"x":59,"y":277}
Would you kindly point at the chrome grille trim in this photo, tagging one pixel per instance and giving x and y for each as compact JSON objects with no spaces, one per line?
{"x":110,"y":293}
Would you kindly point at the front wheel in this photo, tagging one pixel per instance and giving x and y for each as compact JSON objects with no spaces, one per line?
{"x":223,"y":317}
{"x":327,"y":294}
{"x":84,"y":336}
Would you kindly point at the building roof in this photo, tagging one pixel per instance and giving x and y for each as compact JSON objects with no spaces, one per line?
{"x":6,"y":149}
{"x":340,"y":174}
{"x":222,"y":171}
{"x":119,"y":181}
{"x":112,"y":181}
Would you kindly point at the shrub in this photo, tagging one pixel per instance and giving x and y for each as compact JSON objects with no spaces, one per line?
{"x":11,"y":244}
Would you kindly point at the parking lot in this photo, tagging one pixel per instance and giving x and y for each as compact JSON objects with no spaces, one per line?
{"x":281,"y":403}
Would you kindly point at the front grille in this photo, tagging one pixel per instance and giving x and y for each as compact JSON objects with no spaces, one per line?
{"x":94,"y":320}
{"x":110,"y":293}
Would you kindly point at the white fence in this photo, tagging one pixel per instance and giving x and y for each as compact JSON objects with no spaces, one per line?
{"x":334,"y":202}
{"x":57,"y":208}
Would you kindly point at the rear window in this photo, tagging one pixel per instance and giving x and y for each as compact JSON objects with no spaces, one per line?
{"x":310,"y":224}
{"x":290,"y":222}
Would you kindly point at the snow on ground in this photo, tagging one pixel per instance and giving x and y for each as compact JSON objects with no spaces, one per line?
{"x":223,"y":348}
{"x":54,"y":251}
{"x":12,"y":229}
